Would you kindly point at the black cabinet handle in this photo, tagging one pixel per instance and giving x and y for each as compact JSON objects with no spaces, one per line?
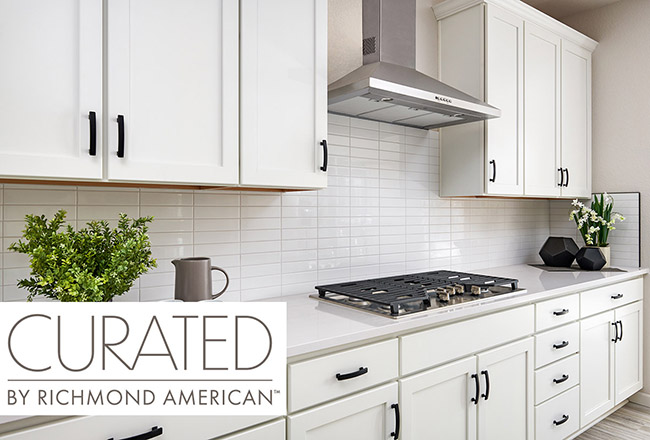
{"x":566,"y":184}
{"x":120,"y":135}
{"x":494,"y":170}
{"x":486,"y":395}
{"x":395,"y":433}
{"x":562,"y":345}
{"x":615,"y":324}
{"x":92,"y":117}
{"x":155,"y":432}
{"x":360,"y":372}
{"x":561,"y":312}
{"x":325,"y":155}
{"x":564,"y":419}
{"x":619,"y":296}
{"x":477,"y":386}
{"x":564,"y":378}
{"x":620,"y":337}
{"x":561,"y":170}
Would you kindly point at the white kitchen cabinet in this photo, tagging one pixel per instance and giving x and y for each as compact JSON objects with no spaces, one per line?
{"x":271,"y":431}
{"x":284,"y":93}
{"x":542,"y":111}
{"x":371,"y":415}
{"x":576,"y":120}
{"x":50,"y":89}
{"x":172,"y":91}
{"x":628,"y":365}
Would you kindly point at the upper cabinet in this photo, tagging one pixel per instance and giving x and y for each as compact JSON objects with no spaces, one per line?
{"x":51,"y":88}
{"x":284,"y":93}
{"x":538,"y":72}
{"x":188,"y":92}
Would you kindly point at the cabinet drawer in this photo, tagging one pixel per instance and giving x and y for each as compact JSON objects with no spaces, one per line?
{"x":105,"y":427}
{"x":315,"y":380}
{"x":557,"y":344}
{"x":558,"y":311}
{"x":556,"y":378}
{"x":443,"y":344}
{"x":549,"y":416}
{"x":605,"y":298}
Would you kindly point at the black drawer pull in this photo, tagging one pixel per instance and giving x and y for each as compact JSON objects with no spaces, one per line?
{"x":563,"y":420}
{"x":494,"y":171}
{"x":619,"y":296}
{"x":562,"y":345}
{"x":615,"y":324}
{"x":395,"y":434}
{"x":561,"y":312}
{"x":566,"y":184}
{"x":620,"y":337}
{"x":92,"y":117}
{"x":486,"y":395}
{"x":325,"y":155}
{"x":477,"y":388}
{"x":155,"y":432}
{"x":120,"y":136}
{"x":360,"y":372}
{"x":564,"y":378}
{"x":561,"y":170}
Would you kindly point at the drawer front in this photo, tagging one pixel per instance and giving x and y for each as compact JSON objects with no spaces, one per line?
{"x":556,"y":378}
{"x":550,"y":417}
{"x":105,"y":427}
{"x":556,"y":344}
{"x":605,"y":298}
{"x":439,"y":345}
{"x":315,"y":380}
{"x":555,"y":312}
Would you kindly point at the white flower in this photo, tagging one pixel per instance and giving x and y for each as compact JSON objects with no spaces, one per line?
{"x":608,"y":200}
{"x":593,"y":229}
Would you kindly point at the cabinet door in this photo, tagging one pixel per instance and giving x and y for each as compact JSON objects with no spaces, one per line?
{"x":504,"y":90}
{"x":173,"y":76}
{"x":542,"y":112}
{"x":576,"y":120}
{"x":271,"y":431}
{"x":420,"y":398}
{"x":283,"y":93}
{"x":364,"y":416}
{"x":505,"y":409}
{"x":50,"y":81}
{"x":596,"y":366}
{"x":629,"y":351}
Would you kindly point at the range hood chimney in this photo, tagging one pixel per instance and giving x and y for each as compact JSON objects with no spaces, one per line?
{"x":387,"y":87}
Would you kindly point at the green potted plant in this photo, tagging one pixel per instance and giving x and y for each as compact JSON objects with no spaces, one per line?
{"x":597,"y":222}
{"x":96,"y":263}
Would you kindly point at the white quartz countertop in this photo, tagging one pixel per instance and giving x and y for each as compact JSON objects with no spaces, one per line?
{"x":314,"y":325}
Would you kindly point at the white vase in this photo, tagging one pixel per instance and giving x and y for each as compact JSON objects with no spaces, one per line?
{"x":606,"y":250}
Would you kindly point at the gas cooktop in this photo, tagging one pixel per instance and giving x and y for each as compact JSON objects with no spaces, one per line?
{"x":404,"y":295}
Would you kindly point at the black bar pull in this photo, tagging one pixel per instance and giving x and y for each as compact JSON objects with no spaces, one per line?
{"x":564,"y":419}
{"x":562,"y":345}
{"x":564,"y":378}
{"x":345,"y":376}
{"x":92,"y":117}
{"x":615,"y":324}
{"x":566,"y":184}
{"x":561,"y":312}
{"x":477,"y":386}
{"x":561,"y":170}
{"x":120,"y":135}
{"x":155,"y":432}
{"x":395,"y":433}
{"x":620,"y":337}
{"x":618,"y":296}
{"x":486,"y":395}
{"x":325,"y":155}
{"x":494,"y":171}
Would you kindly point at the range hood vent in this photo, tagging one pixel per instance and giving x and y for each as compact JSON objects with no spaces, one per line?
{"x":387,"y":87}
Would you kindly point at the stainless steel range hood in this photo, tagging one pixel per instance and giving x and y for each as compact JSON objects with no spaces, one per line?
{"x":387,"y":87}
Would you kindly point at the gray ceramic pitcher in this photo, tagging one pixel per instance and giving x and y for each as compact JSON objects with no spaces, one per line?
{"x":194,"y":279}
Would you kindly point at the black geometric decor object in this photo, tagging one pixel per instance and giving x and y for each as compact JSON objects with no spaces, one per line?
{"x":590,"y":258}
{"x":559,"y":251}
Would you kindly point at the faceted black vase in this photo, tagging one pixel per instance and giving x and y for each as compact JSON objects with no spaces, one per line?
{"x":590,"y":258}
{"x":559,"y":251}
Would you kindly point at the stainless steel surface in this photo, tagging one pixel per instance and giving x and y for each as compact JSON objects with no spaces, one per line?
{"x":387,"y":87}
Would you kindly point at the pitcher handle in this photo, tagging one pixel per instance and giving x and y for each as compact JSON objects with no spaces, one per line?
{"x":216,"y":295}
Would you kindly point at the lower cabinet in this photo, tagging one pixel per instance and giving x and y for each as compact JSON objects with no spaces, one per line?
{"x":272,"y":431}
{"x":371,"y":415}
{"x":487,"y":396}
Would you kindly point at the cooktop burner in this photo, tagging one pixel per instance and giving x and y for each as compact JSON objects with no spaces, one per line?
{"x":407,"y":294}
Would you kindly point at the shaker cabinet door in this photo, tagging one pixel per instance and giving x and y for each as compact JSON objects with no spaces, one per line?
{"x":283,"y":93}
{"x":173,"y":91}
{"x":629,"y":351}
{"x":51,"y":89}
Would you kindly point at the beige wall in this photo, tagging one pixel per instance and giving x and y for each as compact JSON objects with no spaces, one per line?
{"x":344,"y":39}
{"x":621,"y":113}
